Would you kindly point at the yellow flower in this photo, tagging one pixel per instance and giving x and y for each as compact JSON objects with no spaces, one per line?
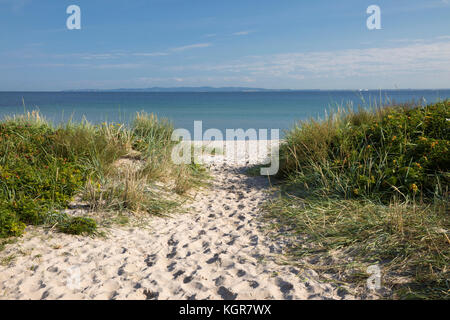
{"x":356,"y":191}
{"x":414,"y":188}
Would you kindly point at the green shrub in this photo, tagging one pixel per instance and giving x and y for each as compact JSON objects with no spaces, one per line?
{"x":35,"y":177}
{"x":389,"y":152}
{"x":30,"y":211}
{"x":78,"y":226}
{"x":10,"y":224}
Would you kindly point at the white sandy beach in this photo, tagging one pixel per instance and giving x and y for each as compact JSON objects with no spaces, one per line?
{"x":215,"y":250}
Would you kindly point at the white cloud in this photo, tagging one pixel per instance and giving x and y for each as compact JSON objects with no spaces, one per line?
{"x":149,"y":54}
{"x":89,"y":65}
{"x":407,"y":40}
{"x":415,"y":64}
{"x":242,"y":33}
{"x":115,"y":55}
{"x":191,"y":46}
{"x":119,"y":66}
{"x":405,"y":60}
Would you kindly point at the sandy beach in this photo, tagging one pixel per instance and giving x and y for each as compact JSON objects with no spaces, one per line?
{"x":215,"y":250}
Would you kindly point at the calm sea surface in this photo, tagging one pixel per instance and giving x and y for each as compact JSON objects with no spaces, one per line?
{"x":259,"y":110}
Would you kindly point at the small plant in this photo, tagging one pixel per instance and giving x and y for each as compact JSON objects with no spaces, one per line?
{"x":122,"y":219}
{"x":7,"y":260}
{"x":254,"y":171}
{"x":78,"y":226}
{"x":5,"y":242}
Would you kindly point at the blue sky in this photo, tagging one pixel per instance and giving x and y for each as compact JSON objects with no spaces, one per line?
{"x":321,"y":44}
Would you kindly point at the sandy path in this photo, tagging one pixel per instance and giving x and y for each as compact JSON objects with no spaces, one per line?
{"x":214,"y":252}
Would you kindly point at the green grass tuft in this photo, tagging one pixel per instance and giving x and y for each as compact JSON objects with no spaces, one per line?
{"x":78,"y":226}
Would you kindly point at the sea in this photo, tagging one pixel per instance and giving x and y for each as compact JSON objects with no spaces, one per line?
{"x":220,"y":110}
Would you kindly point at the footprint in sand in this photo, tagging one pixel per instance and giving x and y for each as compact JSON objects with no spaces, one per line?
{"x":226,"y":294}
{"x":150,"y":260}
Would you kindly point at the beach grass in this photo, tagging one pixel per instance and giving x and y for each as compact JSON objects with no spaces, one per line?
{"x":370,"y":187}
{"x":109,"y":166}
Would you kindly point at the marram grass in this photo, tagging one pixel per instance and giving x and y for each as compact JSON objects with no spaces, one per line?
{"x":370,"y":187}
{"x":43,"y":167}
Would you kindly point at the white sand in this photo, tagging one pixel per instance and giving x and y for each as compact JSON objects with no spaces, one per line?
{"x":216,"y":251}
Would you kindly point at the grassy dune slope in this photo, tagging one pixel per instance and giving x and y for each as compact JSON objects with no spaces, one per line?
{"x":371,"y":187}
{"x":109,"y":166}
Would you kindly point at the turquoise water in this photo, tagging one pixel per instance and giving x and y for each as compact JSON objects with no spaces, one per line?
{"x":259,"y":110}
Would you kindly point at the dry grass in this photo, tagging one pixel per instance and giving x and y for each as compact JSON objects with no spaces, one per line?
{"x":343,"y":237}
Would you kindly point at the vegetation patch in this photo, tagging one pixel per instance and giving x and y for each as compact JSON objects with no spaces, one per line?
{"x":254,"y":170}
{"x":370,"y":187}
{"x":43,"y":167}
{"x":392,"y":151}
{"x":78,"y":226}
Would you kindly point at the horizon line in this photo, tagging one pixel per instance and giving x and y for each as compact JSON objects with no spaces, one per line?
{"x":211,"y":89}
